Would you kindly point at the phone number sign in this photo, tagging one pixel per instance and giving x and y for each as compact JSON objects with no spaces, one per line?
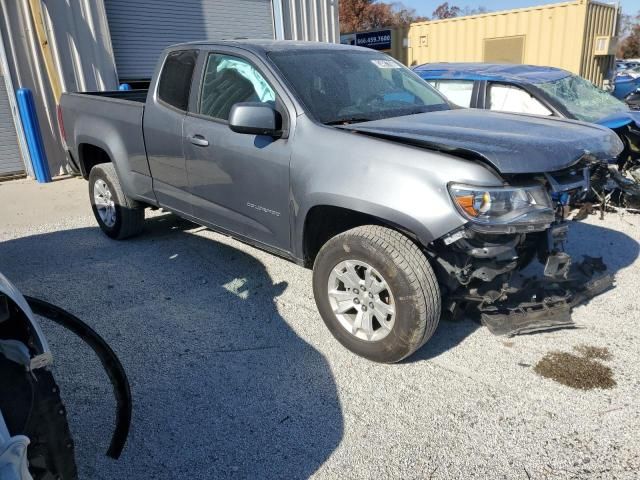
{"x":380,"y":40}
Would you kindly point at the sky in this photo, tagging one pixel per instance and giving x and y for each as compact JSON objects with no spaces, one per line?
{"x":426,"y":7}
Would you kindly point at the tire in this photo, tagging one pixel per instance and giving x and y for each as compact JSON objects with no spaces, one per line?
{"x":118,"y":216}
{"x":412,"y":293}
{"x":31,"y":406}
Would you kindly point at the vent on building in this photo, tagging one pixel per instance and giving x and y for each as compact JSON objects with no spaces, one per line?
{"x":504,"y":49}
{"x":604,"y":46}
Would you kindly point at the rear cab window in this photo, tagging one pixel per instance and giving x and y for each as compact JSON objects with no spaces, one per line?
{"x":174,"y":84}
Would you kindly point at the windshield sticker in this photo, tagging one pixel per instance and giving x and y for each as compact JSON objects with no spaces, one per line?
{"x":385,"y":64}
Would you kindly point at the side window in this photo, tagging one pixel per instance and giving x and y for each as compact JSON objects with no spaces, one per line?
{"x":456,"y":91}
{"x":229,"y":80}
{"x":175,"y":79}
{"x":507,"y":98}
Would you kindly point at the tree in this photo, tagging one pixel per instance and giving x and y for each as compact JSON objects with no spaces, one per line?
{"x":445,"y":11}
{"x":404,"y":15}
{"x":630,"y":45}
{"x":473,"y":11}
{"x":625,"y":23}
{"x":359,"y":15}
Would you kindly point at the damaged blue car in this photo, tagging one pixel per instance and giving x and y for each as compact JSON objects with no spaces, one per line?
{"x":546,"y":91}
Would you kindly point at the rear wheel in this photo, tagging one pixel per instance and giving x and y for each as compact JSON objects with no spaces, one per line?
{"x":376,"y":293}
{"x":118,"y":216}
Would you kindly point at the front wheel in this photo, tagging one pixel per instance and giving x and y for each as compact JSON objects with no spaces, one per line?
{"x":118,"y":216}
{"x":377,"y":293}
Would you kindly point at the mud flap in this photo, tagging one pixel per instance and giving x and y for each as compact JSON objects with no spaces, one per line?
{"x":550,"y":307}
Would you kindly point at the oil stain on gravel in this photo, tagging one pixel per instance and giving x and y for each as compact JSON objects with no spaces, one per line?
{"x":593,"y":353}
{"x":584,"y":371}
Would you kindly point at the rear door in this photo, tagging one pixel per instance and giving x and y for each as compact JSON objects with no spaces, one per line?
{"x":162,"y":125}
{"x":239,"y":182}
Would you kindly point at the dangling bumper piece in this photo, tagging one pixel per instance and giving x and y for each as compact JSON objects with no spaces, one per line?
{"x":545,"y":304}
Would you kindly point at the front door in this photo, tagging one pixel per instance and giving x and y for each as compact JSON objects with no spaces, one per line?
{"x":238,"y":182}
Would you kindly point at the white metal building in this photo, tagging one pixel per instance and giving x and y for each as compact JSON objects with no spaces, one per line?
{"x":140,"y":30}
{"x":10,"y":158}
{"x":95,"y":44}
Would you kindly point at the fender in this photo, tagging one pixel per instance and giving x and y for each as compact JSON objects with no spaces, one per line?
{"x":402,"y":185}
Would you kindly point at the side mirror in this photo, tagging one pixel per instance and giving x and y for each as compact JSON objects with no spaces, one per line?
{"x":255,"y":118}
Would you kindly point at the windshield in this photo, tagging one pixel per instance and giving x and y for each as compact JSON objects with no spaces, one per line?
{"x":583,"y":99}
{"x":347,"y":86}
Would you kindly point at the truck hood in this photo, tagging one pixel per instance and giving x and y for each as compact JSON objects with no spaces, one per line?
{"x":511,"y":143}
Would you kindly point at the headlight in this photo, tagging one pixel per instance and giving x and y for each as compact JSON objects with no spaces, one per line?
{"x":517,"y":206}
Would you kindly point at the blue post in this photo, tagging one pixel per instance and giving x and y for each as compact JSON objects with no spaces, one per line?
{"x":31,"y":127}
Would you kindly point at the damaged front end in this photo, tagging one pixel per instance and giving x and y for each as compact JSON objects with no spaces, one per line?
{"x":481,"y":264}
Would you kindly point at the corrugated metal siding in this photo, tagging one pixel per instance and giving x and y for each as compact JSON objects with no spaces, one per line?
{"x":600,"y":22}
{"x":141,"y":29}
{"x":10,"y":161}
{"x":553,"y":35}
{"x":79,"y":40}
{"x":24,"y":68}
{"x":315,"y":20}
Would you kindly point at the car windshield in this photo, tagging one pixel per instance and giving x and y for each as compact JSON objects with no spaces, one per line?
{"x":583,"y":99}
{"x":348,"y":86}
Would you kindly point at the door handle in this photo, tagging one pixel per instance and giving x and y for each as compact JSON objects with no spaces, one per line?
{"x":198,"y":140}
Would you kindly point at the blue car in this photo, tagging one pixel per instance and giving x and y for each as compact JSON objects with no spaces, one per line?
{"x":626,"y":82}
{"x":622,"y":65}
{"x":536,"y":90}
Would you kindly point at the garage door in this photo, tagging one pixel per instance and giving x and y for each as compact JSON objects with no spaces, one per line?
{"x":141,"y":29}
{"x":10,"y":161}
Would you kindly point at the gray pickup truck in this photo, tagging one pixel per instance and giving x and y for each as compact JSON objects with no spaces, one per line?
{"x":341,"y":159}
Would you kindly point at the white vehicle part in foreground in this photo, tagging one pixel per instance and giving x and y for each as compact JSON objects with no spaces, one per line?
{"x":13,"y":455}
{"x":43,"y":357}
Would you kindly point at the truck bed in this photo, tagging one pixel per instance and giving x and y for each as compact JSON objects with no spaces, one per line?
{"x":114,"y":120}
{"x":131,"y":95}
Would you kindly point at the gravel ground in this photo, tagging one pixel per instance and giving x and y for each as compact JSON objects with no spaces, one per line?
{"x":235,"y":376}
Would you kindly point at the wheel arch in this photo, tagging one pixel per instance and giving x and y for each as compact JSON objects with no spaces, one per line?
{"x":90,"y":155}
{"x":332,"y":216}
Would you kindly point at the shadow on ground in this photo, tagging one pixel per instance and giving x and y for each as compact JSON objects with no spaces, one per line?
{"x":222,"y":386}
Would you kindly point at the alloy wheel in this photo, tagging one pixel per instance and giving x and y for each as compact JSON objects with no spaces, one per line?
{"x":361,"y":300}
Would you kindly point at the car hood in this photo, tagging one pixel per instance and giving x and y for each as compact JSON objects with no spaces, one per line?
{"x":511,"y":143}
{"x":620,"y":119}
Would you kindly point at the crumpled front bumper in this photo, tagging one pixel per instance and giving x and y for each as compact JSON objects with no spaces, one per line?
{"x":537,"y":304}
